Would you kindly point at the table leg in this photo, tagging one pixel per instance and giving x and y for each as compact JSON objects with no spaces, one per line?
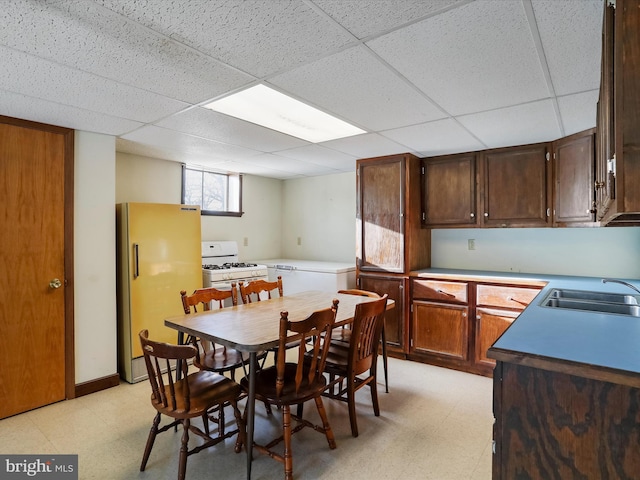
{"x":251,"y":409}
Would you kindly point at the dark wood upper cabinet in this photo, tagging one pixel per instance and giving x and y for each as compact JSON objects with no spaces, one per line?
{"x":621,"y":203}
{"x":516,"y":183}
{"x":449,"y":194}
{"x":573,"y":180}
{"x":389,"y":237}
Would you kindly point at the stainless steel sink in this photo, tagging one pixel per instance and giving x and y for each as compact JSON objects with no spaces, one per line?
{"x":609,"y":303}
{"x":594,"y":296}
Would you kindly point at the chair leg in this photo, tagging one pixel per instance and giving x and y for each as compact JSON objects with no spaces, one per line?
{"x":374,"y":396}
{"x":384,"y":360}
{"x":241,"y":438}
{"x":286,"y":430}
{"x":351,"y":402}
{"x":150,"y":439}
{"x":182,"y":466}
{"x":325,"y":423}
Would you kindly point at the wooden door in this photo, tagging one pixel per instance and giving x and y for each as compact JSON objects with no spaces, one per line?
{"x":573,"y":172}
{"x":35,"y":337}
{"x":381,"y":207}
{"x":516,"y":187}
{"x":440,"y":329}
{"x":394,"y":319}
{"x":449,"y":191}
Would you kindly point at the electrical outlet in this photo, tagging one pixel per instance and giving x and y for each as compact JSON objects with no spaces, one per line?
{"x":471,"y":244}
{"x":299,"y":240}
{"x":246,"y":241}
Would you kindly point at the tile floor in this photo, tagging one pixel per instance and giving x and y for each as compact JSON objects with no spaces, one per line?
{"x":435,"y":423}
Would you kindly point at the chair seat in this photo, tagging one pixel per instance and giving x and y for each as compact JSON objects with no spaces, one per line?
{"x":223,"y":360}
{"x":266,"y":386}
{"x":206,"y":389}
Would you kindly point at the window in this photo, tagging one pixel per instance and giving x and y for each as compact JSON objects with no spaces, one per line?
{"x":216,"y":193}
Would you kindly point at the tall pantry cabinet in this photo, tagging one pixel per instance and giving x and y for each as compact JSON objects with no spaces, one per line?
{"x":390,"y":242}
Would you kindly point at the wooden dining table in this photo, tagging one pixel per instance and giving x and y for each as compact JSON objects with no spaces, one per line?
{"x":254,"y":327}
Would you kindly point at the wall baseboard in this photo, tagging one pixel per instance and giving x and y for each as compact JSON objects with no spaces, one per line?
{"x":96,"y":385}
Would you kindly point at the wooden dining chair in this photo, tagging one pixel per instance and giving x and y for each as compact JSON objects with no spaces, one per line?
{"x":212,"y":357}
{"x":351,"y":367}
{"x":251,"y":291}
{"x":287,"y":384}
{"x":190,"y":397}
{"x":344,"y":334}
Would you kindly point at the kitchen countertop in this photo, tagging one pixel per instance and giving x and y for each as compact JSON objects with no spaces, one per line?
{"x":590,"y":344}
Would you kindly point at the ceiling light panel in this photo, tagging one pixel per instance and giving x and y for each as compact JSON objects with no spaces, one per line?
{"x":269,"y":108}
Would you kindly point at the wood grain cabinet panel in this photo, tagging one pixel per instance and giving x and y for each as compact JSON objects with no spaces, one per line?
{"x":394,"y":318}
{"x":573,"y":174}
{"x":449,"y":191}
{"x":556,"y":425}
{"x":490,"y":324}
{"x":441,"y":291}
{"x":505,"y":296}
{"x":440,"y":329}
{"x":517,"y":189}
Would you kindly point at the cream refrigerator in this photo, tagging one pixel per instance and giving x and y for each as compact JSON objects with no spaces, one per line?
{"x":159,"y":254}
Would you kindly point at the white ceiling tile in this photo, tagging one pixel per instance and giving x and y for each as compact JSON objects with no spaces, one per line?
{"x":292,"y":165}
{"x":43,"y":111}
{"x":469,"y":59}
{"x":572,"y":49}
{"x":85,"y":36}
{"x":192,"y":147}
{"x":322,"y":156}
{"x":216,"y":126}
{"x":345,"y":84}
{"x":366,"y":146}
{"x":436,"y":138}
{"x":259,"y":37}
{"x":364,"y":18}
{"x":531,"y":123}
{"x":35,"y":77}
{"x":578,"y":111}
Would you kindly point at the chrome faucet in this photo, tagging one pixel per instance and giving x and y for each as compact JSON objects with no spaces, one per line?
{"x":621,"y":282}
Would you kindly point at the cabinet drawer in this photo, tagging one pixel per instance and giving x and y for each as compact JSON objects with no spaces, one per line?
{"x":455,"y":292}
{"x":509,"y":297}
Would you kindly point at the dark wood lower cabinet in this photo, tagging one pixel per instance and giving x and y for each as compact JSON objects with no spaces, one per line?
{"x":552,"y":425}
{"x":394,"y":319}
{"x":440,"y":329}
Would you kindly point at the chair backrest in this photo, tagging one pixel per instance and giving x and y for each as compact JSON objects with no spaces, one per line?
{"x":366,"y":330}
{"x":362,"y":293}
{"x":313,"y":333}
{"x":158,"y":357}
{"x":256,"y":287}
{"x":205,"y":296}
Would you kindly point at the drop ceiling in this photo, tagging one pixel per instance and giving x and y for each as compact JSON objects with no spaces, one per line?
{"x":429,"y":77}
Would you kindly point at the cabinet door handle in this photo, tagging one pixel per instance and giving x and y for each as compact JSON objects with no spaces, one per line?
{"x":472,"y":215}
{"x":486,"y":214}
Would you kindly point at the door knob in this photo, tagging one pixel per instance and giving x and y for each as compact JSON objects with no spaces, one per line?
{"x":55,"y":283}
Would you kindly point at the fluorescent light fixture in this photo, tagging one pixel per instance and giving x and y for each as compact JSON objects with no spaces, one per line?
{"x":272,"y":109}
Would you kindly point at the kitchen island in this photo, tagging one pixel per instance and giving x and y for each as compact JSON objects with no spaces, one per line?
{"x":567,"y":391}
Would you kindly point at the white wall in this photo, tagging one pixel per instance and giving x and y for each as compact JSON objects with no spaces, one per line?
{"x":94,"y":257}
{"x":143,"y":179}
{"x":597,"y":252}
{"x":321,"y":212}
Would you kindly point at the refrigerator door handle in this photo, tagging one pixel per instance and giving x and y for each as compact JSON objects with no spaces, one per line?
{"x":136,"y":269}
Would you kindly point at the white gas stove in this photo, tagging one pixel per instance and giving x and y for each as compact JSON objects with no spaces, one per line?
{"x":220,"y":266}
